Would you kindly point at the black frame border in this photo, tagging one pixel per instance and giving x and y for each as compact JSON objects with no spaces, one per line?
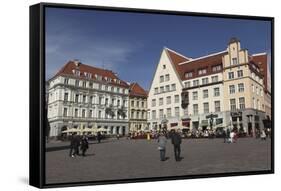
{"x":37,"y":110}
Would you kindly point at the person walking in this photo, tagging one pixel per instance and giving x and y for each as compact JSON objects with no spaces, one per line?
{"x":76,"y":145}
{"x":99,"y":137}
{"x":162,"y":141}
{"x":176,"y":141}
{"x":71,"y":145}
{"x":263,"y":135}
{"x":84,"y":145}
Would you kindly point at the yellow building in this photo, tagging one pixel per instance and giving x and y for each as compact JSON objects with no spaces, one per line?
{"x":137,"y":108}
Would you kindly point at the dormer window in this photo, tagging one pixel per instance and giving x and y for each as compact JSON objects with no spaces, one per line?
{"x":164,"y":66}
{"x":188,"y":75}
{"x":216,"y":68}
{"x":202,"y":71}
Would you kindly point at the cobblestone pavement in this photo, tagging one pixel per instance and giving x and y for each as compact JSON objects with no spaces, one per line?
{"x":125,"y":159}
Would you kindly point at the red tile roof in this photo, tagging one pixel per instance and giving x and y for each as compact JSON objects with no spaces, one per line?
{"x":184,"y":64}
{"x":70,"y":66}
{"x":137,"y":90}
{"x":261,"y":61}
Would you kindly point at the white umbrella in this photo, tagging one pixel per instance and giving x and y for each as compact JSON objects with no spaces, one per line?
{"x":175,"y":128}
{"x":71,"y":130}
{"x":102,"y":129}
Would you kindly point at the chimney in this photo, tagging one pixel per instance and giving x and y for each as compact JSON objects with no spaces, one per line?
{"x":77,"y":62}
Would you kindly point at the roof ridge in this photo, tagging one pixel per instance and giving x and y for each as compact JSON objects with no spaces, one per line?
{"x":202,"y":57}
{"x":260,"y":54}
{"x":179,"y":54}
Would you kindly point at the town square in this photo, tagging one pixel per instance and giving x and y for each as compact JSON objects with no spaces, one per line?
{"x":141,"y":104}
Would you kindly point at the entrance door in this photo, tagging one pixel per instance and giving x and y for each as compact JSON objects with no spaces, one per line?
{"x":250,"y":129}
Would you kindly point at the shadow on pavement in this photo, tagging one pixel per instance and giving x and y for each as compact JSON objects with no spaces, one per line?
{"x":65,"y":147}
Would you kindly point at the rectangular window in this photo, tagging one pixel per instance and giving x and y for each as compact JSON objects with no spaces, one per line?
{"x":216,"y":92}
{"x":161,"y":114}
{"x":242,"y":103}
{"x":84,"y":84}
{"x":99,"y":114}
{"x":84,"y":98}
{"x":91,"y":113}
{"x":195,"y":109}
{"x":118,"y":103}
{"x":206,"y":107}
{"x":106,"y":101}
{"x":161,"y":79}
{"x":161,"y":89}
{"x":257,"y":90}
{"x":240,"y":73}
{"x":186,"y":84}
{"x":153,"y":114}
{"x":217,"y":106}
{"x":167,"y":88}
{"x":205,"y":81}
{"x":241,"y":87}
{"x":205,"y":94}
{"x":169,"y":112}
{"x":138,"y":103}
{"x":216,"y":68}
{"x":155,"y":90}
{"x":215,"y":79}
{"x":76,"y":113}
{"x":76,"y":82}
{"x":230,"y":75}
{"x":168,"y":100}
{"x":76,"y":98}
{"x":253,"y":88}
{"x":83,"y":113}
{"x":232,"y":105}
{"x":173,"y":87}
{"x":65,"y":97}
{"x":167,"y":77}
{"x":160,"y":101}
{"x":177,"y":98}
{"x":100,"y":100}
{"x":65,"y":80}
{"x":188,"y":75}
{"x":234,"y":61}
{"x":177,"y":111}
{"x":90,"y":85}
{"x":202,"y":71}
{"x":195,"y":82}
{"x":65,"y":112}
{"x":153,"y":103}
{"x":142,"y":104}
{"x":195,"y":95}
{"x":112,"y":101}
{"x":91,"y":99}
{"x":231,"y":89}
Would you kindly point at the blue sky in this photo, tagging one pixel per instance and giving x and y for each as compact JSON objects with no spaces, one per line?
{"x":130,"y":43}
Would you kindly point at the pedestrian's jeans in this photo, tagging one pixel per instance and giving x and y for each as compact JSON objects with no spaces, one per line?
{"x":177,"y":150}
{"x":162,"y":154}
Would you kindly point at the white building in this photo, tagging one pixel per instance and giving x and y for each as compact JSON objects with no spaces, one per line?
{"x":221,"y":90}
{"x":164,"y":98}
{"x":83,"y":96}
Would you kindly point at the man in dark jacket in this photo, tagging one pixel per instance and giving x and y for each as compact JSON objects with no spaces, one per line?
{"x":176,"y":141}
{"x":74,"y":145}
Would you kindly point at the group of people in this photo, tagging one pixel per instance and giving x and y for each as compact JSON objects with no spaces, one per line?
{"x":75,"y":142}
{"x":175,"y":140}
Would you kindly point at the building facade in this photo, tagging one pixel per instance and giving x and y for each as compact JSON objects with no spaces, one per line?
{"x":82,"y":96}
{"x":227,"y":89}
{"x":137,"y":108}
